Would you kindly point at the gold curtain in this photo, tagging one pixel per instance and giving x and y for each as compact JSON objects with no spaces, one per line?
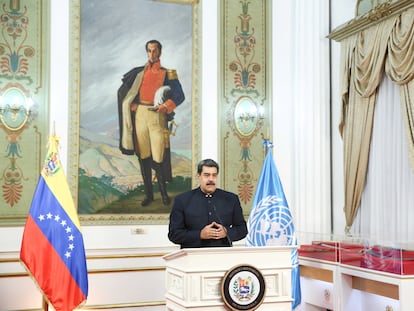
{"x":399,"y":67}
{"x":386,"y":46}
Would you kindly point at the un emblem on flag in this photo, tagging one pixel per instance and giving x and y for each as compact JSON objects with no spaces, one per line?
{"x":270,"y":223}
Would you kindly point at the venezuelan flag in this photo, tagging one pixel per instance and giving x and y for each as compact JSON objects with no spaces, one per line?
{"x":52,"y":247}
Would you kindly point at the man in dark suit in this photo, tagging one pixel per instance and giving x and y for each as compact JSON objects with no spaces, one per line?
{"x":206,"y":216}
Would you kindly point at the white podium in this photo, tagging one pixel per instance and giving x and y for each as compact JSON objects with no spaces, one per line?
{"x":194,"y":276}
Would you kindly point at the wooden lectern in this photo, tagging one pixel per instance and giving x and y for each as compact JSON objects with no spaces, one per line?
{"x":194,"y":276}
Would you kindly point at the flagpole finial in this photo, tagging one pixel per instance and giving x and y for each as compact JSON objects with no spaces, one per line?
{"x":267,"y":144}
{"x":53,"y":139}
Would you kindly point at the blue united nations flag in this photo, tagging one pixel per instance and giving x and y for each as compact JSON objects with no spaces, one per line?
{"x":270,"y":222}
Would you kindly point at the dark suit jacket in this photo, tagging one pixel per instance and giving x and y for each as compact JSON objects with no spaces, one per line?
{"x":192,"y":211}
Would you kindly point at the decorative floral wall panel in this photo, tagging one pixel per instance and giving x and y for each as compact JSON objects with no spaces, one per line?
{"x":244,"y":106}
{"x":23,"y":103}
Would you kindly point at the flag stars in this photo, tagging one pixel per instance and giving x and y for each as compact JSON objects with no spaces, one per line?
{"x":68,"y":230}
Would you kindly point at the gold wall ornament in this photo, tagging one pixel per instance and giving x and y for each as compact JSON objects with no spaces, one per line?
{"x":372,"y":16}
{"x":380,"y":11}
{"x":363,"y":7}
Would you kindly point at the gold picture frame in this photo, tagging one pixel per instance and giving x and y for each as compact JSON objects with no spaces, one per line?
{"x":77,"y":102}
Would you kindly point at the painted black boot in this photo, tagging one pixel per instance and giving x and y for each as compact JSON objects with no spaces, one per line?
{"x":161,"y":183}
{"x":146,"y":172}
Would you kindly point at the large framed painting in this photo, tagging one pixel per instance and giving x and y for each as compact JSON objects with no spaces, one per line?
{"x":108,"y":39}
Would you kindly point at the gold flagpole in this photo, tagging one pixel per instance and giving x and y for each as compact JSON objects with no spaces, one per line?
{"x":45,"y":304}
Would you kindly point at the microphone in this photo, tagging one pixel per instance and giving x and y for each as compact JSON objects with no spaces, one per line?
{"x":220,"y":221}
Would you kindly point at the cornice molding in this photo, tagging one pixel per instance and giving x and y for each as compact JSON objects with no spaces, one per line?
{"x":379,"y":13}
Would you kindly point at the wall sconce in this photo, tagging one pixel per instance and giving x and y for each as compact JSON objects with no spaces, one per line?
{"x":261,"y":112}
{"x":15,"y":108}
{"x":248,"y":116}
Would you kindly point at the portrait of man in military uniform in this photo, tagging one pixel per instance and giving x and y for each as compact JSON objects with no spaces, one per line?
{"x":147,"y":99}
{"x":136,"y":131}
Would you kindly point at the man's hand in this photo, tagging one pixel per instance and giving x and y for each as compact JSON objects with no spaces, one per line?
{"x":214,"y":231}
{"x":162,"y":108}
{"x":133,"y":107}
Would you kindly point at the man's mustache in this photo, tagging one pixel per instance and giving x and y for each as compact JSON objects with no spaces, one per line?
{"x":211,"y":183}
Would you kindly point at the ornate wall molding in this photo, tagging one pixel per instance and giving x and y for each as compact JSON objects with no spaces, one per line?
{"x":244,"y":106}
{"x":24,"y":103}
{"x":378,"y":13}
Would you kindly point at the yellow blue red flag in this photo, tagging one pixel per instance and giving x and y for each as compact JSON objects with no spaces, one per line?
{"x":270,"y":222}
{"x":52,"y":247}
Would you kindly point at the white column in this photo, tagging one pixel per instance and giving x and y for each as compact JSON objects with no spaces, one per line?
{"x":59,"y":73}
{"x":210,"y":34}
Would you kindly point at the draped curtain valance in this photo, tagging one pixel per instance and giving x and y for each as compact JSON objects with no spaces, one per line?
{"x":386,"y":47}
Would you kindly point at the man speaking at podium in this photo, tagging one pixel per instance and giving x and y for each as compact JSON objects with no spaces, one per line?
{"x":206,"y":216}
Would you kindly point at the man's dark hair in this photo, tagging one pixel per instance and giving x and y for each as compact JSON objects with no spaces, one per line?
{"x":152,"y":42}
{"x":207,"y":162}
